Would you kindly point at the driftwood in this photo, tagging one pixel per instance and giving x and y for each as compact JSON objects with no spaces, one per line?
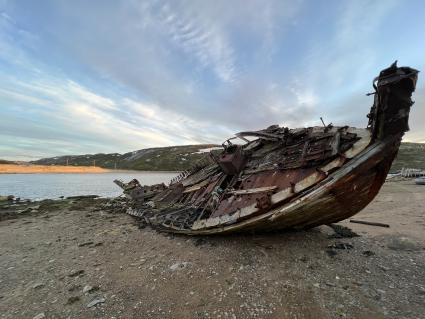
{"x":368,"y":223}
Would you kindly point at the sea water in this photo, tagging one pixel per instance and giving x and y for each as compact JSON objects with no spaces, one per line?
{"x":42,"y":186}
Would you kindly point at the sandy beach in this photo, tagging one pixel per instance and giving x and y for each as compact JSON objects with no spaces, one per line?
{"x":78,"y":258}
{"x":34,"y":169}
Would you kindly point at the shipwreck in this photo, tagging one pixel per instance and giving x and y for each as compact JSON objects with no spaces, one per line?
{"x":281,"y":178}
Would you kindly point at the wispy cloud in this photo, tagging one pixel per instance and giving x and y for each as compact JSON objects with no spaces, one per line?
{"x":72,"y":114}
{"x":106,"y":76}
{"x":197,"y":35}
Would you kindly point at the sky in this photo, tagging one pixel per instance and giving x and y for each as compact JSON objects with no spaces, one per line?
{"x":106,"y":76}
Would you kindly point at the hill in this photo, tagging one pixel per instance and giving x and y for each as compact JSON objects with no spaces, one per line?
{"x":6,"y":162}
{"x":410,"y":155}
{"x":173,"y":158}
{"x":178,"y":158}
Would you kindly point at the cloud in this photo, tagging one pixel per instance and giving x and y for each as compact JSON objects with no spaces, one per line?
{"x":73,"y":115}
{"x":197,"y":35}
{"x":417,"y":116}
{"x":107,"y":76}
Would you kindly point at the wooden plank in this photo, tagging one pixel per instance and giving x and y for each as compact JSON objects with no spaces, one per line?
{"x":368,"y":223}
{"x":360,"y":145}
{"x":196,"y":187}
{"x":253,"y":190}
{"x":275,"y":198}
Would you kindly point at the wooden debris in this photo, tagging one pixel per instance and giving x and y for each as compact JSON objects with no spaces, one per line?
{"x":356,"y":221}
{"x":285,"y":178}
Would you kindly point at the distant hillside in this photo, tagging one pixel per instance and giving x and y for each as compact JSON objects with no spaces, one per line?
{"x":178,"y":158}
{"x":410,"y":155}
{"x":174,"y":158}
{"x":6,"y":162}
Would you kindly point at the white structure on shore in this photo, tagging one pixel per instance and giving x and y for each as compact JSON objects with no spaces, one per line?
{"x":412,"y":172}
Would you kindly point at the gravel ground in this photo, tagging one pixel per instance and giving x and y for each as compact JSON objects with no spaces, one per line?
{"x":72,"y":259}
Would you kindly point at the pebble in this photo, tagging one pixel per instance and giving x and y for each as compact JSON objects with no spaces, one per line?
{"x":89,"y":289}
{"x":75,"y":273}
{"x":181,"y":265}
{"x":38,"y":285}
{"x":383,"y":268}
{"x":87,"y":243}
{"x":95,"y":302}
{"x":40,"y":316}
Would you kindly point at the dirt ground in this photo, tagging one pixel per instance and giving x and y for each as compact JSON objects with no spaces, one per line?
{"x":72,"y":259}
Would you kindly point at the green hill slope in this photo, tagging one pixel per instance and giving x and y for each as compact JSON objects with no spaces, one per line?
{"x":178,"y":158}
{"x":410,"y":155}
{"x":174,"y":158}
{"x":6,"y":162}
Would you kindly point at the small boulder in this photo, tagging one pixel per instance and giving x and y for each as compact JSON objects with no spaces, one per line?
{"x":402,"y":243}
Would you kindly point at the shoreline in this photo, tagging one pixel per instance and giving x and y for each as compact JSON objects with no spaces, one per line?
{"x":61,"y":169}
{"x":34,"y":169}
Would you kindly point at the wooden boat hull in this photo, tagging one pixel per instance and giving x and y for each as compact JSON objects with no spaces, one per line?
{"x":288,"y":179}
{"x":341,"y":195}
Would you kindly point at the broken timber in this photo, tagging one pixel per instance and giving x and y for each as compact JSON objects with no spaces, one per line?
{"x":282,"y":178}
{"x":369,"y":223}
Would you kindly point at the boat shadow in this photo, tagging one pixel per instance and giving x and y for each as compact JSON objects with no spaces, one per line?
{"x":318,"y":238}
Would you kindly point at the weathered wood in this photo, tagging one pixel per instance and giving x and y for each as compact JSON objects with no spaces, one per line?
{"x":356,"y":221}
{"x":196,"y":187}
{"x":284,"y":194}
{"x":253,"y":190}
{"x":326,"y":208}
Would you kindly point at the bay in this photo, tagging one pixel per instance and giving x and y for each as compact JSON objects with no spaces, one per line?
{"x":42,"y":186}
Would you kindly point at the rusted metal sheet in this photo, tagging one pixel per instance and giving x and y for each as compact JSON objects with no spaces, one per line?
{"x":278,"y":179}
{"x":232,"y":160}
